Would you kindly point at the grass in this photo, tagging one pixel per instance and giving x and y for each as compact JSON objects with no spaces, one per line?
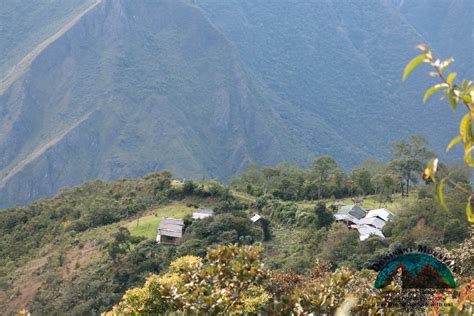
{"x":370,"y":202}
{"x":147,"y":225}
{"x":243,"y":196}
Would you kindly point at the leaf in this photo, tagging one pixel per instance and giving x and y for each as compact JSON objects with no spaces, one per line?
{"x":465,"y":128}
{"x":451,"y":77}
{"x":434,"y":89}
{"x":412,"y":65}
{"x":468,"y":154}
{"x":452,"y":99}
{"x":440,"y":194}
{"x":469,"y":213}
{"x":467,"y":99}
{"x":453,"y":142}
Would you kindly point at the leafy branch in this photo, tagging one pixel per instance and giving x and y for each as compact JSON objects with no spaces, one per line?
{"x":462,"y":93}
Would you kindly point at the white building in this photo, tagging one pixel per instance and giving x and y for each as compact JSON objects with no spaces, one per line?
{"x":203,"y":213}
{"x":366,"y":231}
{"x":381,"y":213}
{"x":371,"y":224}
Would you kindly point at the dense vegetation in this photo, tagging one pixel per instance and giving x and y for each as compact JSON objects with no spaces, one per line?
{"x":91,"y":249}
{"x":234,"y":280}
{"x":82,"y":258}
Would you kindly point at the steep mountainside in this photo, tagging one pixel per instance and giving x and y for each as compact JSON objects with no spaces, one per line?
{"x":203,"y":87}
{"x":341,"y":61}
{"x":133,"y":87}
{"x":25,"y":24}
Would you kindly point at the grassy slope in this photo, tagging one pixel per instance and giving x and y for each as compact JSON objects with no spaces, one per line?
{"x":147,"y":225}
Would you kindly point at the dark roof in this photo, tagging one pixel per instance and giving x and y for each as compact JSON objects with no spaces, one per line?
{"x":354,"y":210}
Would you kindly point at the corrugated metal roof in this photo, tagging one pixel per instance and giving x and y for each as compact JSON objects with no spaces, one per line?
{"x":354,"y":210}
{"x":255,"y":218}
{"x":366,"y":231}
{"x":203,"y":210}
{"x":169,"y":220}
{"x":346,"y":217}
{"x":203,"y":213}
{"x":172,"y":227}
{"x":381,"y":213}
{"x":170,"y":233}
{"x":374,"y":221}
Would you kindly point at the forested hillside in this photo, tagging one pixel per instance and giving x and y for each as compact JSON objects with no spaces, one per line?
{"x":206,"y":87}
{"x":79,"y":252}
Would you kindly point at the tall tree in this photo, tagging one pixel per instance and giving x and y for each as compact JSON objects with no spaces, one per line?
{"x":362,"y":180}
{"x":409,"y":159}
{"x":322,"y":168}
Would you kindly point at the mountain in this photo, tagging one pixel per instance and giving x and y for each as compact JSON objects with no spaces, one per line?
{"x":133,"y":87}
{"x":116,"y":88}
{"x":339,"y":64}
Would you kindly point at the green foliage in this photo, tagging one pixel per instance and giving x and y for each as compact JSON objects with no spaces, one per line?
{"x":409,"y":157}
{"x":426,"y":222}
{"x":292,"y":183}
{"x":223,"y":229}
{"x":228,"y":281}
{"x":362,"y":181}
{"x":462,"y":93}
{"x":324,"y":217}
{"x":340,"y":244}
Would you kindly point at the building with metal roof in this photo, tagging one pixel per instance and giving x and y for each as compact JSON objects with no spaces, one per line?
{"x":256,"y":218}
{"x":353,"y":210}
{"x":381,"y":213}
{"x":350,"y":214}
{"x":366,"y":231}
{"x":170,"y":230}
{"x":203,"y":213}
{"x":373,"y":221}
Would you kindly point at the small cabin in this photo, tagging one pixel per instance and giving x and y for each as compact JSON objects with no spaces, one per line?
{"x":203,"y":213}
{"x":256,"y":218}
{"x":170,"y":231}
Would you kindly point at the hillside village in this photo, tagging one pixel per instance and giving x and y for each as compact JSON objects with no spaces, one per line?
{"x":366,"y":222}
{"x":155,"y":220}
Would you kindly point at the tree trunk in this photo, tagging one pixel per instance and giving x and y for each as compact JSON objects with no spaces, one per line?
{"x":408,"y":185}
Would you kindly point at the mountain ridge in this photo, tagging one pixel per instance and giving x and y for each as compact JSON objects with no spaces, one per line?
{"x":230,"y":98}
{"x":215,"y":86}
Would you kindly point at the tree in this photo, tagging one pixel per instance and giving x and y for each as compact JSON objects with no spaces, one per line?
{"x":340,"y":244}
{"x":324,"y":216}
{"x":409,"y":158}
{"x":229,"y":281}
{"x":322,"y":168}
{"x":270,"y":175}
{"x":385,"y":185}
{"x":362,"y":180}
{"x":456,"y":94}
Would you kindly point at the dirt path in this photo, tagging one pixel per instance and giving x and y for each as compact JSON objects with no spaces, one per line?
{"x":38,"y":152}
{"x":19,"y":69}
